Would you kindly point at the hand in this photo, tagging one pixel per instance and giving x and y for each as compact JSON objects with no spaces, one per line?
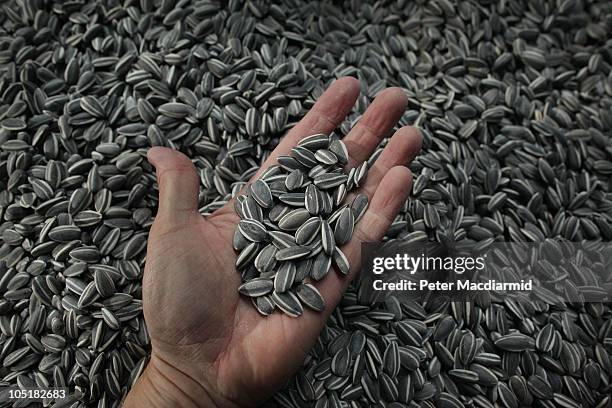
{"x":210,"y":347}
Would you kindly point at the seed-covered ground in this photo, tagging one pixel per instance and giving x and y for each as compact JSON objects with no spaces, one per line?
{"x":514,"y":100}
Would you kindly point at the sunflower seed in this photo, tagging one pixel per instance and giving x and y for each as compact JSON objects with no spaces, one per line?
{"x":338,"y":148}
{"x":359,"y":206}
{"x":326,"y":157}
{"x":341,"y":261}
{"x":343,"y":229}
{"x":307,"y":232}
{"x":291,"y":253}
{"x":256,"y":287}
{"x":327,"y":238}
{"x":320,"y":266}
{"x":329,"y":180}
{"x":310,"y":296}
{"x":284,"y":278}
{"x":315,"y":142}
{"x":266,"y":259}
{"x":313,"y":201}
{"x":264,"y":305}
{"x":262,"y":194}
{"x":294,"y":219}
{"x":294,"y":180}
{"x":288,"y":303}
{"x":282,"y":239}
{"x":253,"y":230}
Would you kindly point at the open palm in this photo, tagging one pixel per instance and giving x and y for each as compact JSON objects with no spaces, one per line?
{"x":209,"y":345}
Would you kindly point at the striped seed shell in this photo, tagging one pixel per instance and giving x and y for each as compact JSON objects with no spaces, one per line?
{"x":253,"y":230}
{"x":292,"y":252}
{"x":288,"y":303}
{"x":320,"y":266}
{"x":284,"y":277}
{"x":315,"y":142}
{"x":344,"y":225}
{"x":327,"y":238}
{"x":310,"y":296}
{"x":262,"y":194}
{"x":256,"y":287}
{"x":266,"y":259}
{"x":359,"y":206}
{"x":338,"y":148}
{"x":341,"y":261}
{"x":308,"y":231}
{"x":294,"y":219}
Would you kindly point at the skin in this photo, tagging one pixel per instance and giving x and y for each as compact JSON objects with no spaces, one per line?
{"x":210,"y":347}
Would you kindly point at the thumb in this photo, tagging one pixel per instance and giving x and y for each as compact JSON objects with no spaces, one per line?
{"x":178,"y":183}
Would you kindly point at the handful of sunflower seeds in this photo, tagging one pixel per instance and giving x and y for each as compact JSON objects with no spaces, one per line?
{"x":293,"y":221}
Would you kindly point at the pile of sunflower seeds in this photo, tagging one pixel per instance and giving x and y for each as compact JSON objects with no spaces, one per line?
{"x":513,"y":98}
{"x":292,"y":223}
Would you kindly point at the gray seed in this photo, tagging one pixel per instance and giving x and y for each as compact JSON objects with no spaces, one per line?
{"x":310,"y":296}
{"x":253,"y":230}
{"x":92,"y":106}
{"x":285,"y":277}
{"x":308,"y":231}
{"x":447,"y":400}
{"x":326,"y":157}
{"x":53,"y":342}
{"x":506,"y":396}
{"x":104,"y":283}
{"x":303,"y":268}
{"x":320,"y":266}
{"x":251,"y":210}
{"x":87,"y":218}
{"x":293,"y":199}
{"x":329,"y":180}
{"x":256,"y":287}
{"x":282,"y":239}
{"x":339,"y":195}
{"x":110,"y":319}
{"x":239,"y":241}
{"x":515,"y":342}
{"x":360,"y":174}
{"x":65,"y":233}
{"x":288,"y":303}
{"x":359,"y":206}
{"x":315,"y":142}
{"x":463,"y":375}
{"x":294,"y":219}
{"x":13,"y":124}
{"x":327,"y":238}
{"x":304,"y":157}
{"x":338,"y":148}
{"x":277,"y":212}
{"x":264,"y":305}
{"x":292,"y":252}
{"x":294,"y":180}
{"x":247,"y":255}
{"x":343,"y":229}
{"x":313,"y":201}
{"x":340,"y":362}
{"x":262,"y":194}
{"x":266,"y":259}
{"x":341,"y":261}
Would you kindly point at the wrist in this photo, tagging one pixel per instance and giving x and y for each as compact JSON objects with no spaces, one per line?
{"x":163,"y":386}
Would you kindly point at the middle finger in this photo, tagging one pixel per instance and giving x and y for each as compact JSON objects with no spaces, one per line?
{"x":376,"y":123}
